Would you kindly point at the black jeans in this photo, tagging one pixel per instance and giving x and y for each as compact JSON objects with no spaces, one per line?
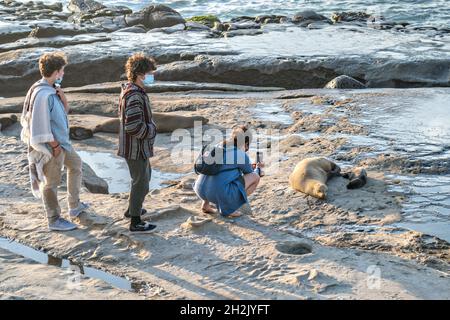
{"x":140,"y":172}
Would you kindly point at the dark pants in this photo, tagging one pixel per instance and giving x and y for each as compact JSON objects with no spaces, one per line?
{"x":140,"y":172}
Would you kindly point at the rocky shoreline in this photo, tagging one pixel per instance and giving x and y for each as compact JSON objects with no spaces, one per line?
{"x":194,"y":49}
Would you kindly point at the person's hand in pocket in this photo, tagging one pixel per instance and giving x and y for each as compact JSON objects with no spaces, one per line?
{"x":57,"y":151}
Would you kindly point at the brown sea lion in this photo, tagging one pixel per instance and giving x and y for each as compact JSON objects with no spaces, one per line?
{"x":311,"y":175}
{"x":164,"y":123}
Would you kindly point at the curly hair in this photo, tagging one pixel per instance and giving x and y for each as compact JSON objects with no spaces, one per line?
{"x":138,"y":64}
{"x":51,"y":62}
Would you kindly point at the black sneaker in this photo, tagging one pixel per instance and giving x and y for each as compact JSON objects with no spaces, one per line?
{"x":143,"y":227}
{"x":127,"y":213}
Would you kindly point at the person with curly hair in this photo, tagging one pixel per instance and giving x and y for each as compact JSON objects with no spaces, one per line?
{"x":137,"y":135}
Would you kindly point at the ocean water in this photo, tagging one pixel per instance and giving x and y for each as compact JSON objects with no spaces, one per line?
{"x":423,"y":12}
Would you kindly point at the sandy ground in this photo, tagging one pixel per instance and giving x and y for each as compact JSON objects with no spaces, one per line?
{"x":349,"y":248}
{"x":22,"y":278}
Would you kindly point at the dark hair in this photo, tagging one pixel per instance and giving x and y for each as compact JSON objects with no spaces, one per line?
{"x":51,"y":62}
{"x":241,"y":135}
{"x":138,"y":64}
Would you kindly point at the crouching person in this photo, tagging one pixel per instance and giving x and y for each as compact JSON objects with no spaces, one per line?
{"x":45,"y":130}
{"x":137,"y":135}
{"x":236,"y":179}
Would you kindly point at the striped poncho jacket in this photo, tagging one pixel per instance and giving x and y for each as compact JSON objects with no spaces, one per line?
{"x":137,"y":129}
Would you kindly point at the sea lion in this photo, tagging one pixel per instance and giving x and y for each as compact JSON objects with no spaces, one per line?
{"x":80,"y":133}
{"x":7,"y":120}
{"x":164,"y":123}
{"x":357,"y":177}
{"x":311,"y":175}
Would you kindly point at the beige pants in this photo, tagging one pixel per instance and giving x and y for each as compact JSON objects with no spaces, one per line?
{"x":53,"y":172}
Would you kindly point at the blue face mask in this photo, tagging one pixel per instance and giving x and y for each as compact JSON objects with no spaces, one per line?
{"x":149,"y":79}
{"x":59,"y":81}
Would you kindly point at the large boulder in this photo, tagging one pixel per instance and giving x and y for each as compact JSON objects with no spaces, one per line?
{"x":308,"y":16}
{"x":344,"y":82}
{"x":155,"y":16}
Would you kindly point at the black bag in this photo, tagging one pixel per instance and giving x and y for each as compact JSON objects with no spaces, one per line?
{"x":206,"y":164}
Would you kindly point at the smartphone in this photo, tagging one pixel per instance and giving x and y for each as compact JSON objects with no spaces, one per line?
{"x":259,"y":159}
{"x":259,"y":156}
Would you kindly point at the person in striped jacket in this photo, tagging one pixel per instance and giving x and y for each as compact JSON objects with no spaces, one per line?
{"x":137,"y":135}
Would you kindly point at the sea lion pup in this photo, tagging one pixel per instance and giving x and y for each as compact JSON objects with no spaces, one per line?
{"x":311,"y":175}
{"x":357,"y":177}
{"x":164,"y":123}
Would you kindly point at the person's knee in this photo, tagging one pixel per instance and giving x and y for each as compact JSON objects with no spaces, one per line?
{"x":253,"y":178}
{"x":75,"y":164}
{"x":257,"y":180}
{"x":51,"y":185}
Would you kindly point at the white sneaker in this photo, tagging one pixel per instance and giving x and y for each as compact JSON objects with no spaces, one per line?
{"x":62,"y":225}
{"x":73,"y":213}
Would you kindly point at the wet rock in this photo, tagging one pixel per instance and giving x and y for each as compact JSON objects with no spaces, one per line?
{"x":55,"y":42}
{"x":308,"y":16}
{"x":110,"y":24}
{"x":265,"y":19}
{"x":344,"y":82}
{"x":349,"y":17}
{"x":58,"y":6}
{"x":242,"y":19}
{"x":104,"y":63}
{"x":242,"y":26}
{"x":208,"y":20}
{"x":10,"y":32}
{"x":195,"y":26}
{"x":19,"y":68}
{"x":242,"y":32}
{"x":92,"y":182}
{"x":295,"y":73}
{"x":317,"y":25}
{"x":7,"y":120}
{"x":134,"y":29}
{"x":169,"y":30}
{"x":155,"y":16}
{"x":91,"y":12}
{"x":44,"y":30}
{"x":85,"y":6}
{"x":162,"y":86}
